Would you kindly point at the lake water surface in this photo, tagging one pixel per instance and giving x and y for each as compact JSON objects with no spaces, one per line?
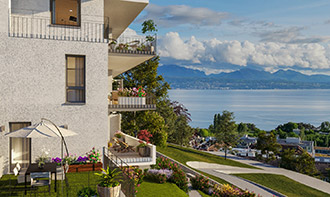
{"x":265,"y":108}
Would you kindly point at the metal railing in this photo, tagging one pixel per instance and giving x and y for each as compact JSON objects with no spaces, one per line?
{"x":31,"y":26}
{"x":114,"y":162}
{"x":136,"y":44}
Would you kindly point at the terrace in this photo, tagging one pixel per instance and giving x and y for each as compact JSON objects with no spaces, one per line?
{"x":130,"y":154}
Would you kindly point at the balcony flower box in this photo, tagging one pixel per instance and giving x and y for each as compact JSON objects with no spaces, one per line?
{"x":85,"y":167}
{"x":132,"y":100}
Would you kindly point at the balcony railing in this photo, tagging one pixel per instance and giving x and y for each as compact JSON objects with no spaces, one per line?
{"x":134,"y":44}
{"x":120,"y":103}
{"x":31,"y":26}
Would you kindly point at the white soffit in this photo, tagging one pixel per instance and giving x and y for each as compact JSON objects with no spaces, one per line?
{"x":122,"y":13}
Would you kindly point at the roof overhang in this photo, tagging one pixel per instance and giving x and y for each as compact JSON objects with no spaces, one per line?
{"x":121,"y":13}
{"x":119,"y":63}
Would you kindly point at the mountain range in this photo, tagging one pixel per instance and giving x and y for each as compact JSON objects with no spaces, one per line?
{"x":243,"y":74}
{"x":245,"y":78}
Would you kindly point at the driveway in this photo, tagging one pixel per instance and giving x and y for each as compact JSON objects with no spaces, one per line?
{"x":301,"y":178}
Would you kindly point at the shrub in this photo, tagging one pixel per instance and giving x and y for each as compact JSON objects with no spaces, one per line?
{"x":159,"y":176}
{"x":86,"y":192}
{"x":135,"y":174}
{"x":180,"y":179}
{"x":201,"y":183}
{"x":93,"y":156}
{"x":178,"y":176}
{"x":230,"y":191}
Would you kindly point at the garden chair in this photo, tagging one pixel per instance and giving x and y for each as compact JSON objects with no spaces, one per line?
{"x":41,"y":179}
{"x":20,"y":173}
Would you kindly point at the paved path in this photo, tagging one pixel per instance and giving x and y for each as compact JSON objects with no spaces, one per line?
{"x":223,"y":171}
{"x":301,"y":178}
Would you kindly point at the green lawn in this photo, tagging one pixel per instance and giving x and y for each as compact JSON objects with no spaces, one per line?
{"x":9,"y":186}
{"x":203,"y":194}
{"x":152,"y":189}
{"x":184,"y":155}
{"x":282,"y":184}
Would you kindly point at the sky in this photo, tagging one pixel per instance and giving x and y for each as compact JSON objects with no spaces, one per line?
{"x":226,"y":35}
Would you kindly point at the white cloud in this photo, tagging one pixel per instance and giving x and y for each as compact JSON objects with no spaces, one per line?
{"x":174,"y":15}
{"x":209,"y":71}
{"x":269,"y":55}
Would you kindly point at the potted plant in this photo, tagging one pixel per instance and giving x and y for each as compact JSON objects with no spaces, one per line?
{"x":43,"y":159}
{"x":113,"y":44}
{"x":144,"y":136}
{"x":109,"y":185}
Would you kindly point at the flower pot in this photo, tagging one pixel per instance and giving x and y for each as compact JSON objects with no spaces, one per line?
{"x":144,"y":151}
{"x":109,"y":191}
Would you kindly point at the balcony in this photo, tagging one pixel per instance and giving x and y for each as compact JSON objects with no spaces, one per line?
{"x":128,"y":51}
{"x":131,"y":156}
{"x":123,"y":103}
{"x":31,"y":24}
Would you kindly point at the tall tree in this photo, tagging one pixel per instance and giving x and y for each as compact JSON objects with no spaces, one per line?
{"x":226,"y":130}
{"x":268,"y":145}
{"x":183,"y":131}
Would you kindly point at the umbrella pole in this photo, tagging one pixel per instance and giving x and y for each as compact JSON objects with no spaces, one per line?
{"x":62,"y":167}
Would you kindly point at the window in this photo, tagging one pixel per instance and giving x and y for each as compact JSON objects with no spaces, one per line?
{"x":65,"y":12}
{"x":75,"y":79}
{"x":20,"y":148}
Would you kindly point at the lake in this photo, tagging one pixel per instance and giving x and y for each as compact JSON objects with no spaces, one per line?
{"x":265,"y":108}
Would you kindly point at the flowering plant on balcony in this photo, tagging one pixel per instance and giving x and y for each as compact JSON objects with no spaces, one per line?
{"x":144,"y":138}
{"x":139,"y":92}
{"x":132,"y":92}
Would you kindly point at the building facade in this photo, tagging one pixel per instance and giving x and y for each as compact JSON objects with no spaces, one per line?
{"x":55,"y":63}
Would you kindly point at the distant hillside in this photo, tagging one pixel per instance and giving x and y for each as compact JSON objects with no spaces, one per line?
{"x":245,"y":78}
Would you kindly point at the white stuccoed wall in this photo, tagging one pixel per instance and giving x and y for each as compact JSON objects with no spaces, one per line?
{"x":32,"y":86}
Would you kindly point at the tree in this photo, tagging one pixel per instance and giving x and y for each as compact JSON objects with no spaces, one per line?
{"x":183,"y":131}
{"x":268,"y":145}
{"x":242,"y":128}
{"x":325,"y":126}
{"x":226,"y":130}
{"x":288,"y":158}
{"x":305,"y":164}
{"x":155,"y":124}
{"x":180,"y":110}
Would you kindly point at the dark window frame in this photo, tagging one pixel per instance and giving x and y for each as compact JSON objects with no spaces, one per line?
{"x":74,"y":87}
{"x":53,"y":22}
{"x":11,"y":168}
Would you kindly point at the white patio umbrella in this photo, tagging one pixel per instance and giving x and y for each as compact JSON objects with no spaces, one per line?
{"x":43,"y":129}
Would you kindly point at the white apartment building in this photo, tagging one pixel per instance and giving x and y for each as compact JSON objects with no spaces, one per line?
{"x":56,"y":63}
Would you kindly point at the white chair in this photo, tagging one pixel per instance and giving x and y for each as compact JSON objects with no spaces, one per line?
{"x":20,"y":174}
{"x":37,"y":179}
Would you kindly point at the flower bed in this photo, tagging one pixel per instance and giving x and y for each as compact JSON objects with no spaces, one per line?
{"x":85,"y":167}
{"x":165,"y":170}
{"x":203,"y":184}
{"x":89,"y":162}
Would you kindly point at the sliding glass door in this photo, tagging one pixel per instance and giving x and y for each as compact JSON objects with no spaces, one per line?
{"x":20,"y":148}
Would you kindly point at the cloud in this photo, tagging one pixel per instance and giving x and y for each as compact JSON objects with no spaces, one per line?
{"x":209,"y":71}
{"x":174,"y":15}
{"x":327,"y":22}
{"x":268,"y":55}
{"x":290,"y":35}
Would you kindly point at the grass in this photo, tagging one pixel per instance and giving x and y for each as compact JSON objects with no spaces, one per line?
{"x":151,"y":189}
{"x":203,"y":194}
{"x":184,"y":155}
{"x":283,"y":184}
{"x":9,"y":186}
